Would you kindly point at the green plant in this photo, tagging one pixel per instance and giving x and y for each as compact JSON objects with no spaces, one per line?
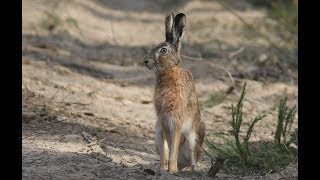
{"x":260,"y":157}
{"x":237,"y":117}
{"x":286,"y":117}
{"x":294,"y":137}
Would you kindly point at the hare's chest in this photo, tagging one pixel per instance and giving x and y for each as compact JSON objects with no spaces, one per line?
{"x":167,"y":100}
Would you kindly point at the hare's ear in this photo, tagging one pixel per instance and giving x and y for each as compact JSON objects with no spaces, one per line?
{"x":178,"y":29}
{"x":169,"y":27}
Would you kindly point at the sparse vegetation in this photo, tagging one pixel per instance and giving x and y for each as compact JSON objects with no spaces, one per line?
{"x":72,"y":21}
{"x":261,"y":157}
{"x":213,"y":100}
{"x":50,"y":22}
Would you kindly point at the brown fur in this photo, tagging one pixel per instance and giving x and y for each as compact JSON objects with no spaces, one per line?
{"x":176,"y":103}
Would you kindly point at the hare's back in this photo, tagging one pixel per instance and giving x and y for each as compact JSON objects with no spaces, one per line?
{"x":190,"y":94}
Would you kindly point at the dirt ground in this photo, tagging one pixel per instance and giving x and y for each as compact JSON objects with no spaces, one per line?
{"x":88,"y":100}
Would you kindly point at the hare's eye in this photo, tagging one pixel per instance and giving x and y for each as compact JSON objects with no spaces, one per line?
{"x":163,"y":50}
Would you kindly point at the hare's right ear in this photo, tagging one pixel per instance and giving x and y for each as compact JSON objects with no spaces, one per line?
{"x":169,"y":27}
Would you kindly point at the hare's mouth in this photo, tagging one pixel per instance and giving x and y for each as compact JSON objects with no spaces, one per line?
{"x":149,"y":66}
{"x":148,"y":63}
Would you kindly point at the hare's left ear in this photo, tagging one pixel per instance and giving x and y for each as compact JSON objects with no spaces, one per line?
{"x":178,"y":29}
{"x":169,"y":27}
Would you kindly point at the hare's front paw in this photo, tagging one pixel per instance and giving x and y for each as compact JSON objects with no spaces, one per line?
{"x":164,"y":165}
{"x":173,"y":169}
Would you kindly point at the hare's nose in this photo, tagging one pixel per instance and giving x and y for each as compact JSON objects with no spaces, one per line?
{"x":146,"y":61}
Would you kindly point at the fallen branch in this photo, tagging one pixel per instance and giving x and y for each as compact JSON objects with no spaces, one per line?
{"x":215,"y":167}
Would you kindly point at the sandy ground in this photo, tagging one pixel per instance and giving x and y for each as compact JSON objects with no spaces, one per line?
{"x":87,"y":99}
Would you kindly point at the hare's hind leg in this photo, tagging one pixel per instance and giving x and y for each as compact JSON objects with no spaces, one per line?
{"x":162,"y":146}
{"x":200,"y":133}
{"x":192,"y":136}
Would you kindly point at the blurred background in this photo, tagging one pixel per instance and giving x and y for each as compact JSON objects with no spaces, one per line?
{"x":83,"y":76}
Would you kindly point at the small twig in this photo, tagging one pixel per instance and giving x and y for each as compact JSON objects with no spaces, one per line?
{"x":205,"y":151}
{"x":155,"y":153}
{"x":92,"y":143}
{"x":237,"y":52}
{"x":102,"y":139}
{"x":103,"y":118}
{"x":86,"y":137}
{"x":74,"y":103}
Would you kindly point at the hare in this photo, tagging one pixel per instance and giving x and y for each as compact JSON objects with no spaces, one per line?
{"x":179,"y":125}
